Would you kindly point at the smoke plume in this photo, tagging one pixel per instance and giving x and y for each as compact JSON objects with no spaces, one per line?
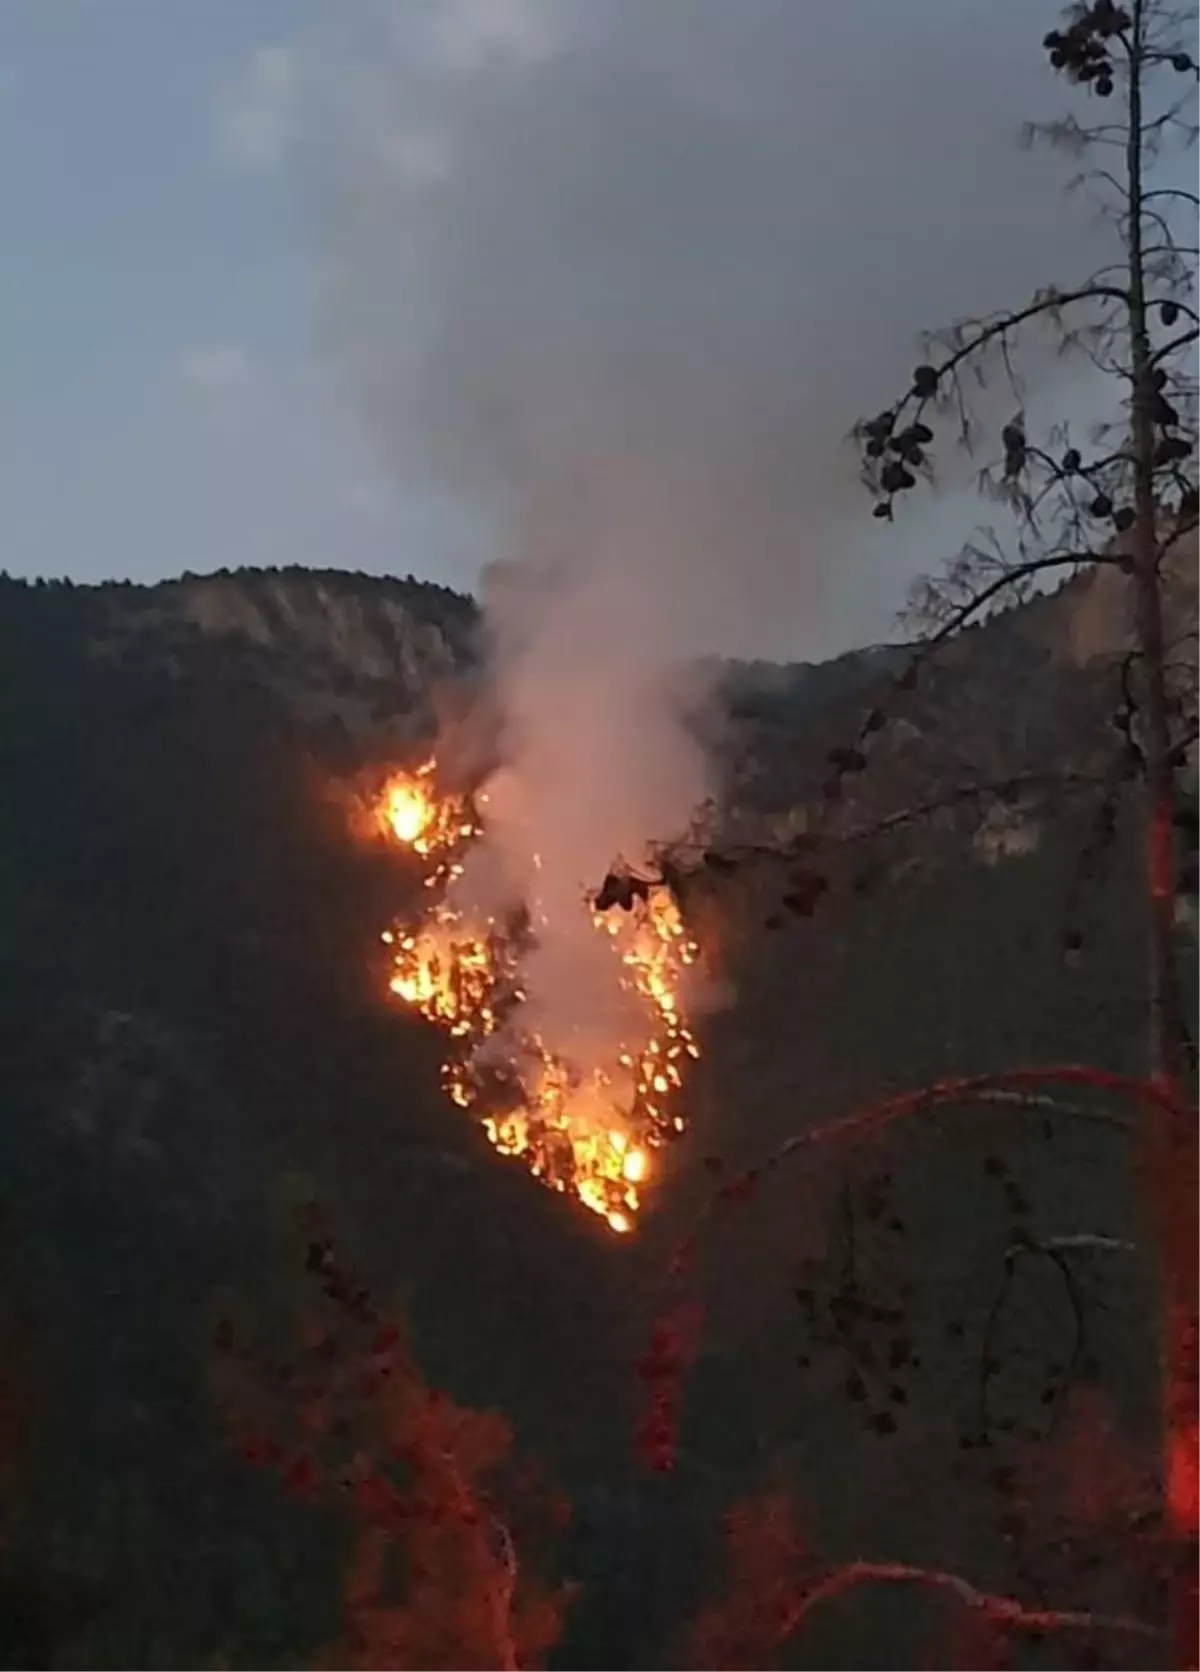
{"x":612,"y":280}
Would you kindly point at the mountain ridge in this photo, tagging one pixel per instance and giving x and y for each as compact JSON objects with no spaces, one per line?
{"x":192,"y":1009}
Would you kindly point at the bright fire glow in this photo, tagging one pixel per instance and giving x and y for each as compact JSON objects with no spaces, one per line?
{"x":412,"y":812}
{"x":591,"y":1135}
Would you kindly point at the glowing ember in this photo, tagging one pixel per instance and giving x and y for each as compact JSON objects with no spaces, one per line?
{"x":592,"y":1134}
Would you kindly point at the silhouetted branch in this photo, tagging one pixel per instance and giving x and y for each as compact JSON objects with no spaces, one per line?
{"x":998,"y":1610}
{"x":1006,"y":791}
{"x":1055,"y":1250}
{"x":1179,"y":749}
{"x":1050,"y":301}
{"x":1177,"y":341}
{"x":1173,"y":191}
{"x":676,"y":1331}
{"x":1020,"y":571}
{"x":1022,"y":1089}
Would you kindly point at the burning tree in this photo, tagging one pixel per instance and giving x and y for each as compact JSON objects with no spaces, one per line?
{"x":1119,"y":506}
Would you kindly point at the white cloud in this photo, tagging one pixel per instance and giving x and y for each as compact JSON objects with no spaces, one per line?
{"x":414,"y":158}
{"x":466,"y":34}
{"x":256,"y":115}
{"x":364,"y":498}
{"x":216,"y":369}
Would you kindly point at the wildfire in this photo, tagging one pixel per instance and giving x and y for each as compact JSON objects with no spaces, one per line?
{"x":411,"y":811}
{"x":445,"y":972}
{"x":590,"y":1134}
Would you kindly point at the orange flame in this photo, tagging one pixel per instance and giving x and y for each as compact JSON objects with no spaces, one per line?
{"x":412,"y":813}
{"x":589,"y":1135}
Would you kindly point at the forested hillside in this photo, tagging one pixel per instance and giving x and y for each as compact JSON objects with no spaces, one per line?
{"x":197,"y":1028}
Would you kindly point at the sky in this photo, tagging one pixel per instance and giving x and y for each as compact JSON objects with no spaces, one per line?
{"x":162,"y":407}
{"x":398,"y":285}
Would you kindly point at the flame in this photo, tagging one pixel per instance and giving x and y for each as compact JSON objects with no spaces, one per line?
{"x":412,"y":813}
{"x":592,"y":1134}
{"x":446,"y":973}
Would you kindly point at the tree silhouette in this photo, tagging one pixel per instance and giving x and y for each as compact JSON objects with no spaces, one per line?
{"x":1120,"y":504}
{"x":1128,"y":500}
{"x":447,"y":1533}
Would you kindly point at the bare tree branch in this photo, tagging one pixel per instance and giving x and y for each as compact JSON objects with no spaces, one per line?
{"x":979,"y":333}
{"x":1173,"y":191}
{"x":1055,"y":1250}
{"x":1035,"y":566}
{"x":1003,"y":1611}
{"x":1023,"y":1084}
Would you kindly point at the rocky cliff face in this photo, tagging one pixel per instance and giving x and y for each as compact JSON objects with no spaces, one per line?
{"x":376,"y":660}
{"x":376,"y":663}
{"x":382,"y":661}
{"x":364,"y":653}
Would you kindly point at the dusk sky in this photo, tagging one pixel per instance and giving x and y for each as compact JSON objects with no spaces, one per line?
{"x":162,"y":407}
{"x":290,"y":282}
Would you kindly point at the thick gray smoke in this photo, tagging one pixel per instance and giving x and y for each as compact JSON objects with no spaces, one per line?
{"x":609,"y":267}
{"x":614,"y":278}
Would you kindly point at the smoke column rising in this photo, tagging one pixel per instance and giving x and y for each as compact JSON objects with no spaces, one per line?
{"x":614,"y":279}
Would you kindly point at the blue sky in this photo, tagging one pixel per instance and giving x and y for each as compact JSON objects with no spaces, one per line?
{"x":340,"y":282}
{"x":161,"y":407}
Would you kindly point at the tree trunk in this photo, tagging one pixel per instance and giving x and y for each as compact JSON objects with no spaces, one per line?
{"x":1171,"y":1154}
